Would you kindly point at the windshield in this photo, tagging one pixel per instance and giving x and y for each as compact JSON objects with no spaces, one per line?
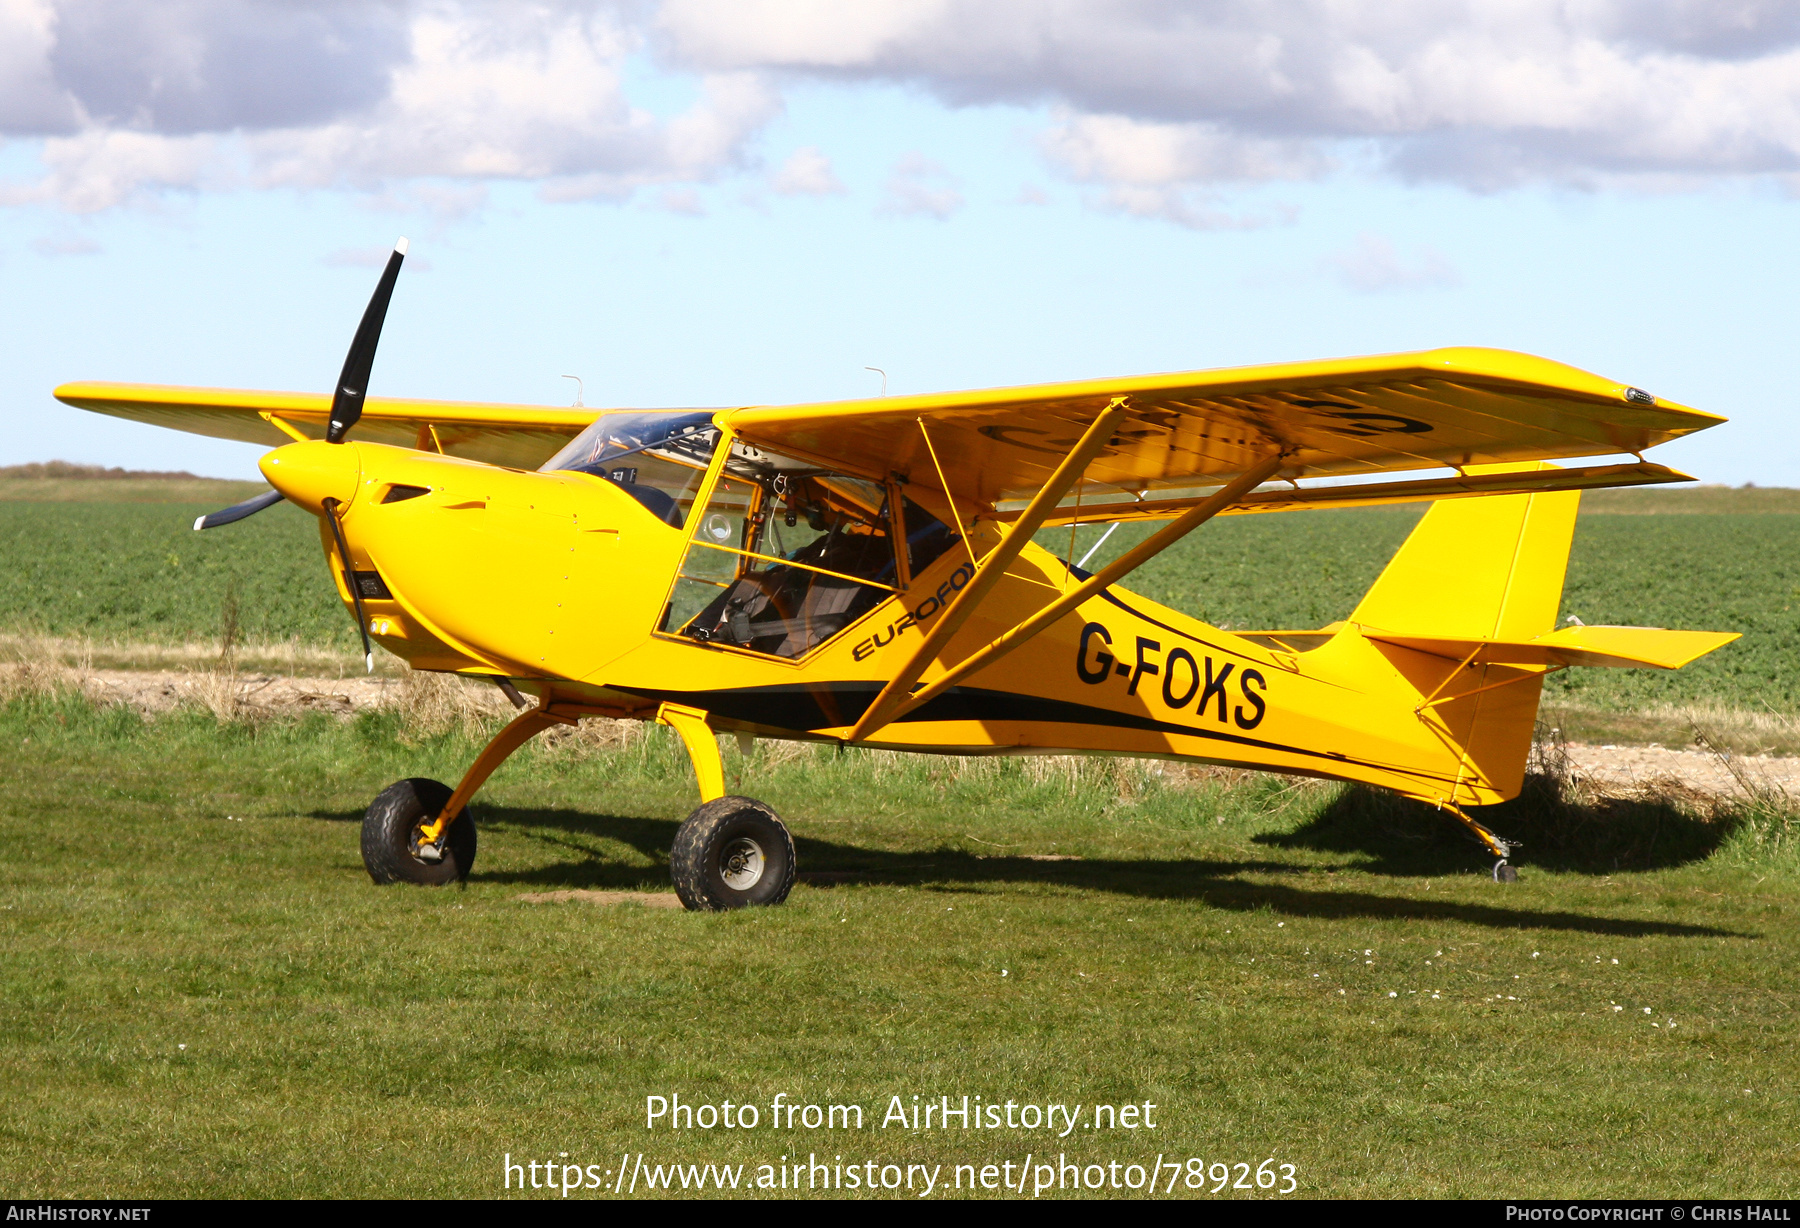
{"x":657,"y":457}
{"x":669,"y":432}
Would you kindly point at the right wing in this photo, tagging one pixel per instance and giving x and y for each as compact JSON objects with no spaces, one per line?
{"x":516,"y":436}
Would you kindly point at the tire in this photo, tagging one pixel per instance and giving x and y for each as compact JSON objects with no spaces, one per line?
{"x":390,"y":833}
{"x":732,"y":853}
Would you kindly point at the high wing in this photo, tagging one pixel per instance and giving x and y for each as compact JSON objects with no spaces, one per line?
{"x":1184,"y":432}
{"x":517,"y":436}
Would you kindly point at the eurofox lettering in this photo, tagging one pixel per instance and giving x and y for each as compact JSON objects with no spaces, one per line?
{"x":918,"y":614}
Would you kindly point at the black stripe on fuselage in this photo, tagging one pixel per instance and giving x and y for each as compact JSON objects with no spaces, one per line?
{"x":803,"y":707}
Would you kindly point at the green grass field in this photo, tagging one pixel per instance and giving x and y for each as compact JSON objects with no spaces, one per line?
{"x":120,"y":572}
{"x":203,"y":994}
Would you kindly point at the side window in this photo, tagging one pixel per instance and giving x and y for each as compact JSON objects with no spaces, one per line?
{"x":784,"y":556}
{"x":927,"y":537}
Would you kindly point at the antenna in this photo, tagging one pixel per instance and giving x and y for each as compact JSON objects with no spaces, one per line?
{"x":578,"y":391}
{"x":883,"y":375}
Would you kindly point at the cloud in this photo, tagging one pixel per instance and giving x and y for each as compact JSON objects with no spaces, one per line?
{"x":920,"y":187}
{"x":48,"y":246}
{"x":684,"y":201}
{"x":1153,"y":93}
{"x":1372,"y":265}
{"x":1154,"y":105}
{"x":806,"y":173}
{"x":134,"y":99}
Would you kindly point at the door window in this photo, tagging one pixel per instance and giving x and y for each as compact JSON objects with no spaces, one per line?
{"x":785,"y":555}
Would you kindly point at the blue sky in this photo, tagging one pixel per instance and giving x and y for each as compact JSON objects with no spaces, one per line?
{"x":956,"y":231}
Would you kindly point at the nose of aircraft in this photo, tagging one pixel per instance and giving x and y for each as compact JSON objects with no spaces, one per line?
{"x":309,"y":473}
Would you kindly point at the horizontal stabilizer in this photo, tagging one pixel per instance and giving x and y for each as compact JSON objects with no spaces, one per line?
{"x":1614,"y":647}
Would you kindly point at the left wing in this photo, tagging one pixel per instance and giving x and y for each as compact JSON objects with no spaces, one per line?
{"x":516,"y":436}
{"x":1187,"y":431}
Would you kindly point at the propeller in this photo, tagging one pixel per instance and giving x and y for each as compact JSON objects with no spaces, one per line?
{"x":346,"y":401}
{"x":237,"y":511}
{"x":353,"y":384}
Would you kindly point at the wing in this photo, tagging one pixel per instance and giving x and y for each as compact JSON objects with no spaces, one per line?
{"x":517,"y":436}
{"x":1333,"y":419}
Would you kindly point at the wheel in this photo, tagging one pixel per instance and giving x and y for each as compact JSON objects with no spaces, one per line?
{"x":390,"y":836}
{"x":732,"y":853}
{"x":1504,"y":873}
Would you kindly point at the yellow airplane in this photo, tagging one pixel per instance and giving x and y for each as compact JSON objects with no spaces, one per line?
{"x":863,"y":572}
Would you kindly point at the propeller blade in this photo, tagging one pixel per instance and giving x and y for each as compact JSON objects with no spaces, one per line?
{"x":362,"y":619}
{"x":237,"y":511}
{"x":353,"y":383}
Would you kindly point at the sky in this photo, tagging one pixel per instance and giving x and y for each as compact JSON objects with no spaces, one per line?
{"x":726,"y":202}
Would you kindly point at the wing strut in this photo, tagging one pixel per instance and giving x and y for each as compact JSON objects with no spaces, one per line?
{"x":1239,"y":486}
{"x":991,"y":568}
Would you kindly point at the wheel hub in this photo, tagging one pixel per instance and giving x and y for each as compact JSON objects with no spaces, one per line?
{"x":741,"y":863}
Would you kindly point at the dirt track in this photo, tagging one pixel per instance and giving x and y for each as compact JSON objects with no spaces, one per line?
{"x":151,"y":691}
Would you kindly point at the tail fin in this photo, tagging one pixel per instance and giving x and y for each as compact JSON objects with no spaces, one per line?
{"x":1475,"y":570}
{"x":1478,"y":569}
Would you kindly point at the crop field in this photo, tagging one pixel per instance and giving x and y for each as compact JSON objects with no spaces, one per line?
{"x":123,"y":573}
{"x":201,"y":994}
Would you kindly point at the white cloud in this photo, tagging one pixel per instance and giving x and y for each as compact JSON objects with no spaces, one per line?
{"x":1154,"y":93}
{"x":141,"y":98}
{"x":920,"y":187}
{"x":807,"y":172}
{"x":1373,"y":266}
{"x":1154,"y":104}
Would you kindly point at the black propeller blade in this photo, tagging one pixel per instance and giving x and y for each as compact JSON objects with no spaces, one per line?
{"x":362,"y":619}
{"x":353,"y":384}
{"x":237,"y":511}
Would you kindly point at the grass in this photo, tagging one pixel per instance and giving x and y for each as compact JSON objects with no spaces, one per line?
{"x":1286,"y":970}
{"x":130,"y":582}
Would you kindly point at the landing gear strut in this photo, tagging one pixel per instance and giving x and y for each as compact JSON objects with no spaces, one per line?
{"x":1500,"y":848}
{"x":732,"y":852}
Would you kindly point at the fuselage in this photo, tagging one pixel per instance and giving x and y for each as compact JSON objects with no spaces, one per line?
{"x":562,"y":583}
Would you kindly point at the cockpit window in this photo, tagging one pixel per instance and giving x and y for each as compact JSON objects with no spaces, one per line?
{"x":786,"y":555}
{"x":658,"y":458}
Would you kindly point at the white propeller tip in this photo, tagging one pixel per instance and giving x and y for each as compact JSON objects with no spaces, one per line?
{"x":401,"y":245}
{"x":369,"y":660}
{"x":199,"y":523}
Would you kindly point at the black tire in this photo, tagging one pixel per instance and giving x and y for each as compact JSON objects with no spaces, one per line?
{"x":732,"y":853}
{"x":390,"y":834}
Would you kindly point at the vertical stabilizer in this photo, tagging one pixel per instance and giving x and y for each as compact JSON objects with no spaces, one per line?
{"x":1488,"y":568}
{"x":1473,"y":570}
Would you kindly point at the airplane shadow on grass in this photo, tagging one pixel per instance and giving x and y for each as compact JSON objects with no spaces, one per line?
{"x":1550,"y":830}
{"x":1214,"y":882}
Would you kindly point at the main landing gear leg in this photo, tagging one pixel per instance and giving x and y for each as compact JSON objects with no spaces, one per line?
{"x":420,"y":831}
{"x":1502,"y":849}
{"x":733,"y":851}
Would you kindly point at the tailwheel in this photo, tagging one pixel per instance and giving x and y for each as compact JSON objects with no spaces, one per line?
{"x":733,"y":852}
{"x":392,"y":848}
{"x":1504,"y":873}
